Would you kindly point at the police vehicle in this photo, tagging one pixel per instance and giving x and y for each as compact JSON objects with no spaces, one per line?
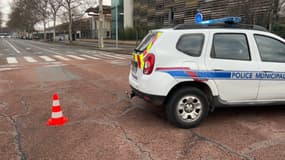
{"x":193,"y":68}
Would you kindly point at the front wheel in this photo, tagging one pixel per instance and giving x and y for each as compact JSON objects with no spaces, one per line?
{"x":187,"y":107}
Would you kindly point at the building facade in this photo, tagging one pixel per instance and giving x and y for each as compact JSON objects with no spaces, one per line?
{"x":117,"y":9}
{"x":159,"y":13}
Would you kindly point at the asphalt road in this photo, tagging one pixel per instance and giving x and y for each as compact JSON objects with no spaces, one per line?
{"x":103,"y":123}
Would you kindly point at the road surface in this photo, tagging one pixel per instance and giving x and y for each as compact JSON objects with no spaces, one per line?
{"x":103,"y":123}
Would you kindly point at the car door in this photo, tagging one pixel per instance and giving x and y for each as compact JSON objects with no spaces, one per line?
{"x":272,"y":55}
{"x":230,"y":64}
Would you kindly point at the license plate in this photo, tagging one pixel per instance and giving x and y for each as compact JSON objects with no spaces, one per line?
{"x":134,"y":67}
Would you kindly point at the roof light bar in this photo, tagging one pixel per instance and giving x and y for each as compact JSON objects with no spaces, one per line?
{"x":226,"y":20}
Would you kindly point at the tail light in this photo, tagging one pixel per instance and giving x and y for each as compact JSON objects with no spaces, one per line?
{"x":149,"y":61}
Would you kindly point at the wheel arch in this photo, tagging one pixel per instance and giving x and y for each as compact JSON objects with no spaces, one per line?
{"x":200,"y":85}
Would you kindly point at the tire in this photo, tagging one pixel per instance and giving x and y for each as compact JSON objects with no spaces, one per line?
{"x":187,"y":107}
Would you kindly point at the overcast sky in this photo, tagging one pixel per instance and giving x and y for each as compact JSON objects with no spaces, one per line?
{"x":5,"y":7}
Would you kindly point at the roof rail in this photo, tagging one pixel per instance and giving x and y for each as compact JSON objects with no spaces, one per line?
{"x":214,"y":26}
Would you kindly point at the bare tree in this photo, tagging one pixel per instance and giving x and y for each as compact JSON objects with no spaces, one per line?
{"x":24,"y":15}
{"x":55,"y":5}
{"x":42,"y":8}
{"x":69,"y":6}
{"x":1,"y":21}
{"x":281,"y":8}
{"x":100,"y":35}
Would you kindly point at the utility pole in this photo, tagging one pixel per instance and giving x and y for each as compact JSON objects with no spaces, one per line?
{"x":117,"y":34}
{"x":100,"y":34}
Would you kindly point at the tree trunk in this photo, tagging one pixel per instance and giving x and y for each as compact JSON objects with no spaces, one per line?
{"x":54,"y":28}
{"x":100,"y":32}
{"x":45,"y":35}
{"x":70,"y":25}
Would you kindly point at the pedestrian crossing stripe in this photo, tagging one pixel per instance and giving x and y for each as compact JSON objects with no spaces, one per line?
{"x":30,"y":59}
{"x":54,"y":58}
{"x":91,"y":57}
{"x":11,"y":60}
{"x":76,"y":57}
{"x":108,"y":55}
{"x":61,"y":58}
{"x":102,"y":56}
{"x":46,"y":58}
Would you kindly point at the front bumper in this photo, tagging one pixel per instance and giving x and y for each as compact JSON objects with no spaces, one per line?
{"x":157,"y":100}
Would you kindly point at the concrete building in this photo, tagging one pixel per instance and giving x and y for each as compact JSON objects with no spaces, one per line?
{"x":117,"y":11}
{"x":128,"y":13}
{"x":158,"y":13}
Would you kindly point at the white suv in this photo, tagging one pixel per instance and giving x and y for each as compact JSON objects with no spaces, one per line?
{"x":194,"y":68}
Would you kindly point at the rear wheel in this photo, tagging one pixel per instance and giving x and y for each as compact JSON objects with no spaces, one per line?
{"x":187,"y":107}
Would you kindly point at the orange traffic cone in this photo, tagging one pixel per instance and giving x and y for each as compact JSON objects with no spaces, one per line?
{"x":57,"y":117}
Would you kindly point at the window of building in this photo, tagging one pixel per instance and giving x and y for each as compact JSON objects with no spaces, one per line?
{"x":171,"y":16}
{"x":230,"y":46}
{"x":191,"y":44}
{"x":270,"y":49}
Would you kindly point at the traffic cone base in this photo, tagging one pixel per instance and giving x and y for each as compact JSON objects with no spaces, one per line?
{"x":57,"y":122}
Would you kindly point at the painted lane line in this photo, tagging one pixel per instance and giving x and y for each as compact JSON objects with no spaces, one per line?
{"x":30,"y":59}
{"x":40,"y":48}
{"x":123,"y":56}
{"x":108,"y":55}
{"x":61,"y":58}
{"x":76,"y":57}
{"x":11,"y":60}
{"x":102,"y":56}
{"x":87,"y":56}
{"x":14,"y":48}
{"x":46,"y":58}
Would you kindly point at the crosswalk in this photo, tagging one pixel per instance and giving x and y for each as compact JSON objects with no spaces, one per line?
{"x":54,"y":58}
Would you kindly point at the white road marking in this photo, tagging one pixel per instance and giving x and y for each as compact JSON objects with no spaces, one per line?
{"x":28,"y":48}
{"x":87,"y":56}
{"x":11,"y":60}
{"x":6,"y":69}
{"x":46,"y":58}
{"x":113,"y":56}
{"x":40,"y":48}
{"x":123,"y":55}
{"x":15,"y":49}
{"x":61,"y":58}
{"x":30,"y":59}
{"x":102,"y":56}
{"x":76,"y":57}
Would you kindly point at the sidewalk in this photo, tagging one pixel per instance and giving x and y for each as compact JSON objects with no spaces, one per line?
{"x":109,"y":41}
{"x":124,"y":47}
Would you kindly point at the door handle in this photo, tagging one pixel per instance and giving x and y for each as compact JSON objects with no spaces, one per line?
{"x":217,"y":70}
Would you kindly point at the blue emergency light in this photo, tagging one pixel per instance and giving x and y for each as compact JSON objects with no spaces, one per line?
{"x":227,"y":20}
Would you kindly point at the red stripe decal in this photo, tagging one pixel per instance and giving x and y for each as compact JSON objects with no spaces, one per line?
{"x":139,"y":61}
{"x":172,"y":68}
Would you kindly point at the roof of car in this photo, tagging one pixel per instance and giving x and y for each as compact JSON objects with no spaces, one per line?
{"x":220,"y":26}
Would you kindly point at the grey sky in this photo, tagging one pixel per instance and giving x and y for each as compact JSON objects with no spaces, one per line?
{"x":5,"y":7}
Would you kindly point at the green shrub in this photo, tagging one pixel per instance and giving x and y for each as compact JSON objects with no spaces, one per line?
{"x":133,"y":33}
{"x":279,"y":29}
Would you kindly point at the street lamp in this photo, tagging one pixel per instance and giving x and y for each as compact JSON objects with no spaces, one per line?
{"x":117,"y":30}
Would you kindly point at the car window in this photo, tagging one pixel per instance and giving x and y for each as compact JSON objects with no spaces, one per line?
{"x":270,"y":50}
{"x":191,"y":44}
{"x":144,"y":43}
{"x":230,"y":46}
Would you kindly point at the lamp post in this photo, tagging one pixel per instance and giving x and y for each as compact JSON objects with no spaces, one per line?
{"x":101,"y":39}
{"x":117,"y":34}
{"x":117,"y":24}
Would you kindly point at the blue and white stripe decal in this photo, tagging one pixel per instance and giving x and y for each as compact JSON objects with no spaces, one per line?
{"x":200,"y":75}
